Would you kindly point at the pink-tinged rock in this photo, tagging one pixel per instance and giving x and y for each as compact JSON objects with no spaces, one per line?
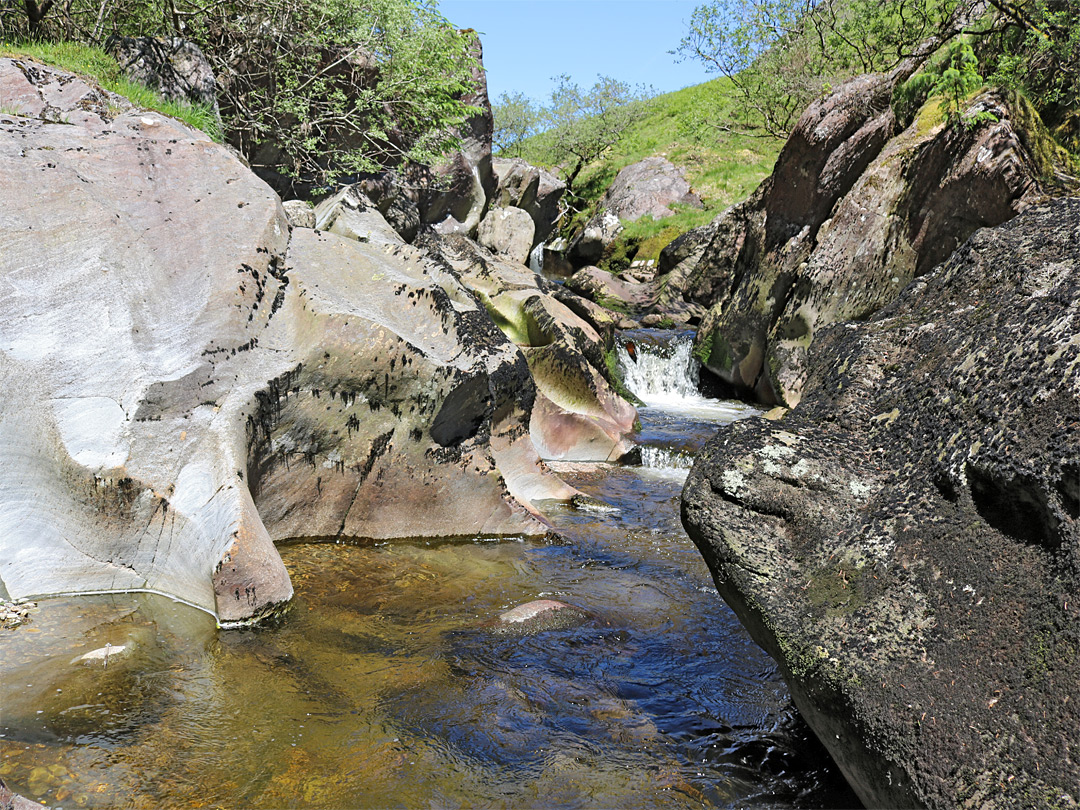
{"x":537,"y":616}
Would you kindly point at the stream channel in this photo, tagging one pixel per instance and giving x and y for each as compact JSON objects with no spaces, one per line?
{"x":384,"y":685}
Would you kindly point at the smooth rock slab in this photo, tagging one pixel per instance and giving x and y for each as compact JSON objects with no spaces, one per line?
{"x":167,"y":354}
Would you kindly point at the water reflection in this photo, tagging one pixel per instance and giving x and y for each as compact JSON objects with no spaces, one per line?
{"x":385,"y":687}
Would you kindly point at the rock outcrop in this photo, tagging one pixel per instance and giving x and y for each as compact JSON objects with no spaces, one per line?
{"x":648,"y":187}
{"x":906,"y":542}
{"x":186,"y":382}
{"x":855,"y":209}
{"x":532,"y":189}
{"x":578,"y":414}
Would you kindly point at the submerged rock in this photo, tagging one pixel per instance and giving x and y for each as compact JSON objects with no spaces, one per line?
{"x":906,"y":542}
{"x":538,"y":616}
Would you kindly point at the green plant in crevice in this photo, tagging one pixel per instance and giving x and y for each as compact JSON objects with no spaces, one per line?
{"x":952,"y":75}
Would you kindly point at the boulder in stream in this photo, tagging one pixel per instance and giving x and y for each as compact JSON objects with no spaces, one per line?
{"x":538,"y":616}
{"x":906,"y":542}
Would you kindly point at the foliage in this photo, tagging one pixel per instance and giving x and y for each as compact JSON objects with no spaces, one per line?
{"x":953,"y":77}
{"x":781,"y":54}
{"x":1035,"y":47}
{"x":583,"y":125}
{"x":311,"y":90}
{"x":103,"y":69}
{"x":516,"y":118}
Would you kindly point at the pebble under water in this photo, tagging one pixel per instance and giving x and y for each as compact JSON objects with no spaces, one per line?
{"x":384,"y":685}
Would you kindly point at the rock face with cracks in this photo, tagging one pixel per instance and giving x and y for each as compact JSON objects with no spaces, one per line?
{"x":856,"y":208}
{"x":906,"y":542}
{"x":184,"y":383}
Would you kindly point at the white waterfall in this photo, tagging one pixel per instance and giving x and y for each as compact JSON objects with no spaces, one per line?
{"x":536,"y":259}
{"x":660,"y":374}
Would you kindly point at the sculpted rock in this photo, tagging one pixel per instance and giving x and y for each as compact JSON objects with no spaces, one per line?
{"x":536,"y":190}
{"x":176,"y":68}
{"x":578,"y":416}
{"x":610,"y":291}
{"x":906,"y":542}
{"x":508,"y":232}
{"x":852,"y":213}
{"x":167,"y":353}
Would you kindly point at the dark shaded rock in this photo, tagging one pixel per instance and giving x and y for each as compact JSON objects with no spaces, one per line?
{"x":176,"y":68}
{"x":588,"y":246}
{"x":457,"y":201}
{"x":906,"y":542}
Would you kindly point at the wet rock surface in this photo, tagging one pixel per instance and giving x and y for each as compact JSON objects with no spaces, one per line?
{"x":578,"y":414}
{"x":906,"y":542}
{"x":538,"y":616}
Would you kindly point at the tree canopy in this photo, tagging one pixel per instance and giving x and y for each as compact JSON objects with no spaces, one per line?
{"x":781,"y":54}
{"x":312,"y":90}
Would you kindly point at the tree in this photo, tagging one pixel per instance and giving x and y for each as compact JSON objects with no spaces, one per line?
{"x":584,"y":124}
{"x":516,"y":118}
{"x":781,"y":54}
{"x":311,"y":91}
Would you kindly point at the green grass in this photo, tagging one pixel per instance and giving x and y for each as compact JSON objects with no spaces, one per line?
{"x":722,"y":167}
{"x":99,"y":66}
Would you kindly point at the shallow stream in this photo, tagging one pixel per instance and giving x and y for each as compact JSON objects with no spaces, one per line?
{"x":384,"y":685}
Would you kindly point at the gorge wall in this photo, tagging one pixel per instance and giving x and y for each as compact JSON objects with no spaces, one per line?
{"x":190,"y":379}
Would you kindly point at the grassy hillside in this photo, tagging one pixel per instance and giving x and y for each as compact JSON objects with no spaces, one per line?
{"x":723,"y":167}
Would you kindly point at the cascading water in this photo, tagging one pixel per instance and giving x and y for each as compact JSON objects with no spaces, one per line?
{"x":659,"y":368}
{"x":660,"y":373}
{"x":536,"y":259}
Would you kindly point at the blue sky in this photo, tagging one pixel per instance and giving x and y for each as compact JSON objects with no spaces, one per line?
{"x":527,"y":42}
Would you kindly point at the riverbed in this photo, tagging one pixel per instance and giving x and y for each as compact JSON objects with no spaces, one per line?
{"x":385,"y":686}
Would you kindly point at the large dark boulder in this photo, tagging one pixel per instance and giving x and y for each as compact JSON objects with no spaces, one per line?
{"x":176,"y":68}
{"x":906,"y":542}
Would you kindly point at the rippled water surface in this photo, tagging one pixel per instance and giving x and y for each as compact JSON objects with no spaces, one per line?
{"x":385,"y":687}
